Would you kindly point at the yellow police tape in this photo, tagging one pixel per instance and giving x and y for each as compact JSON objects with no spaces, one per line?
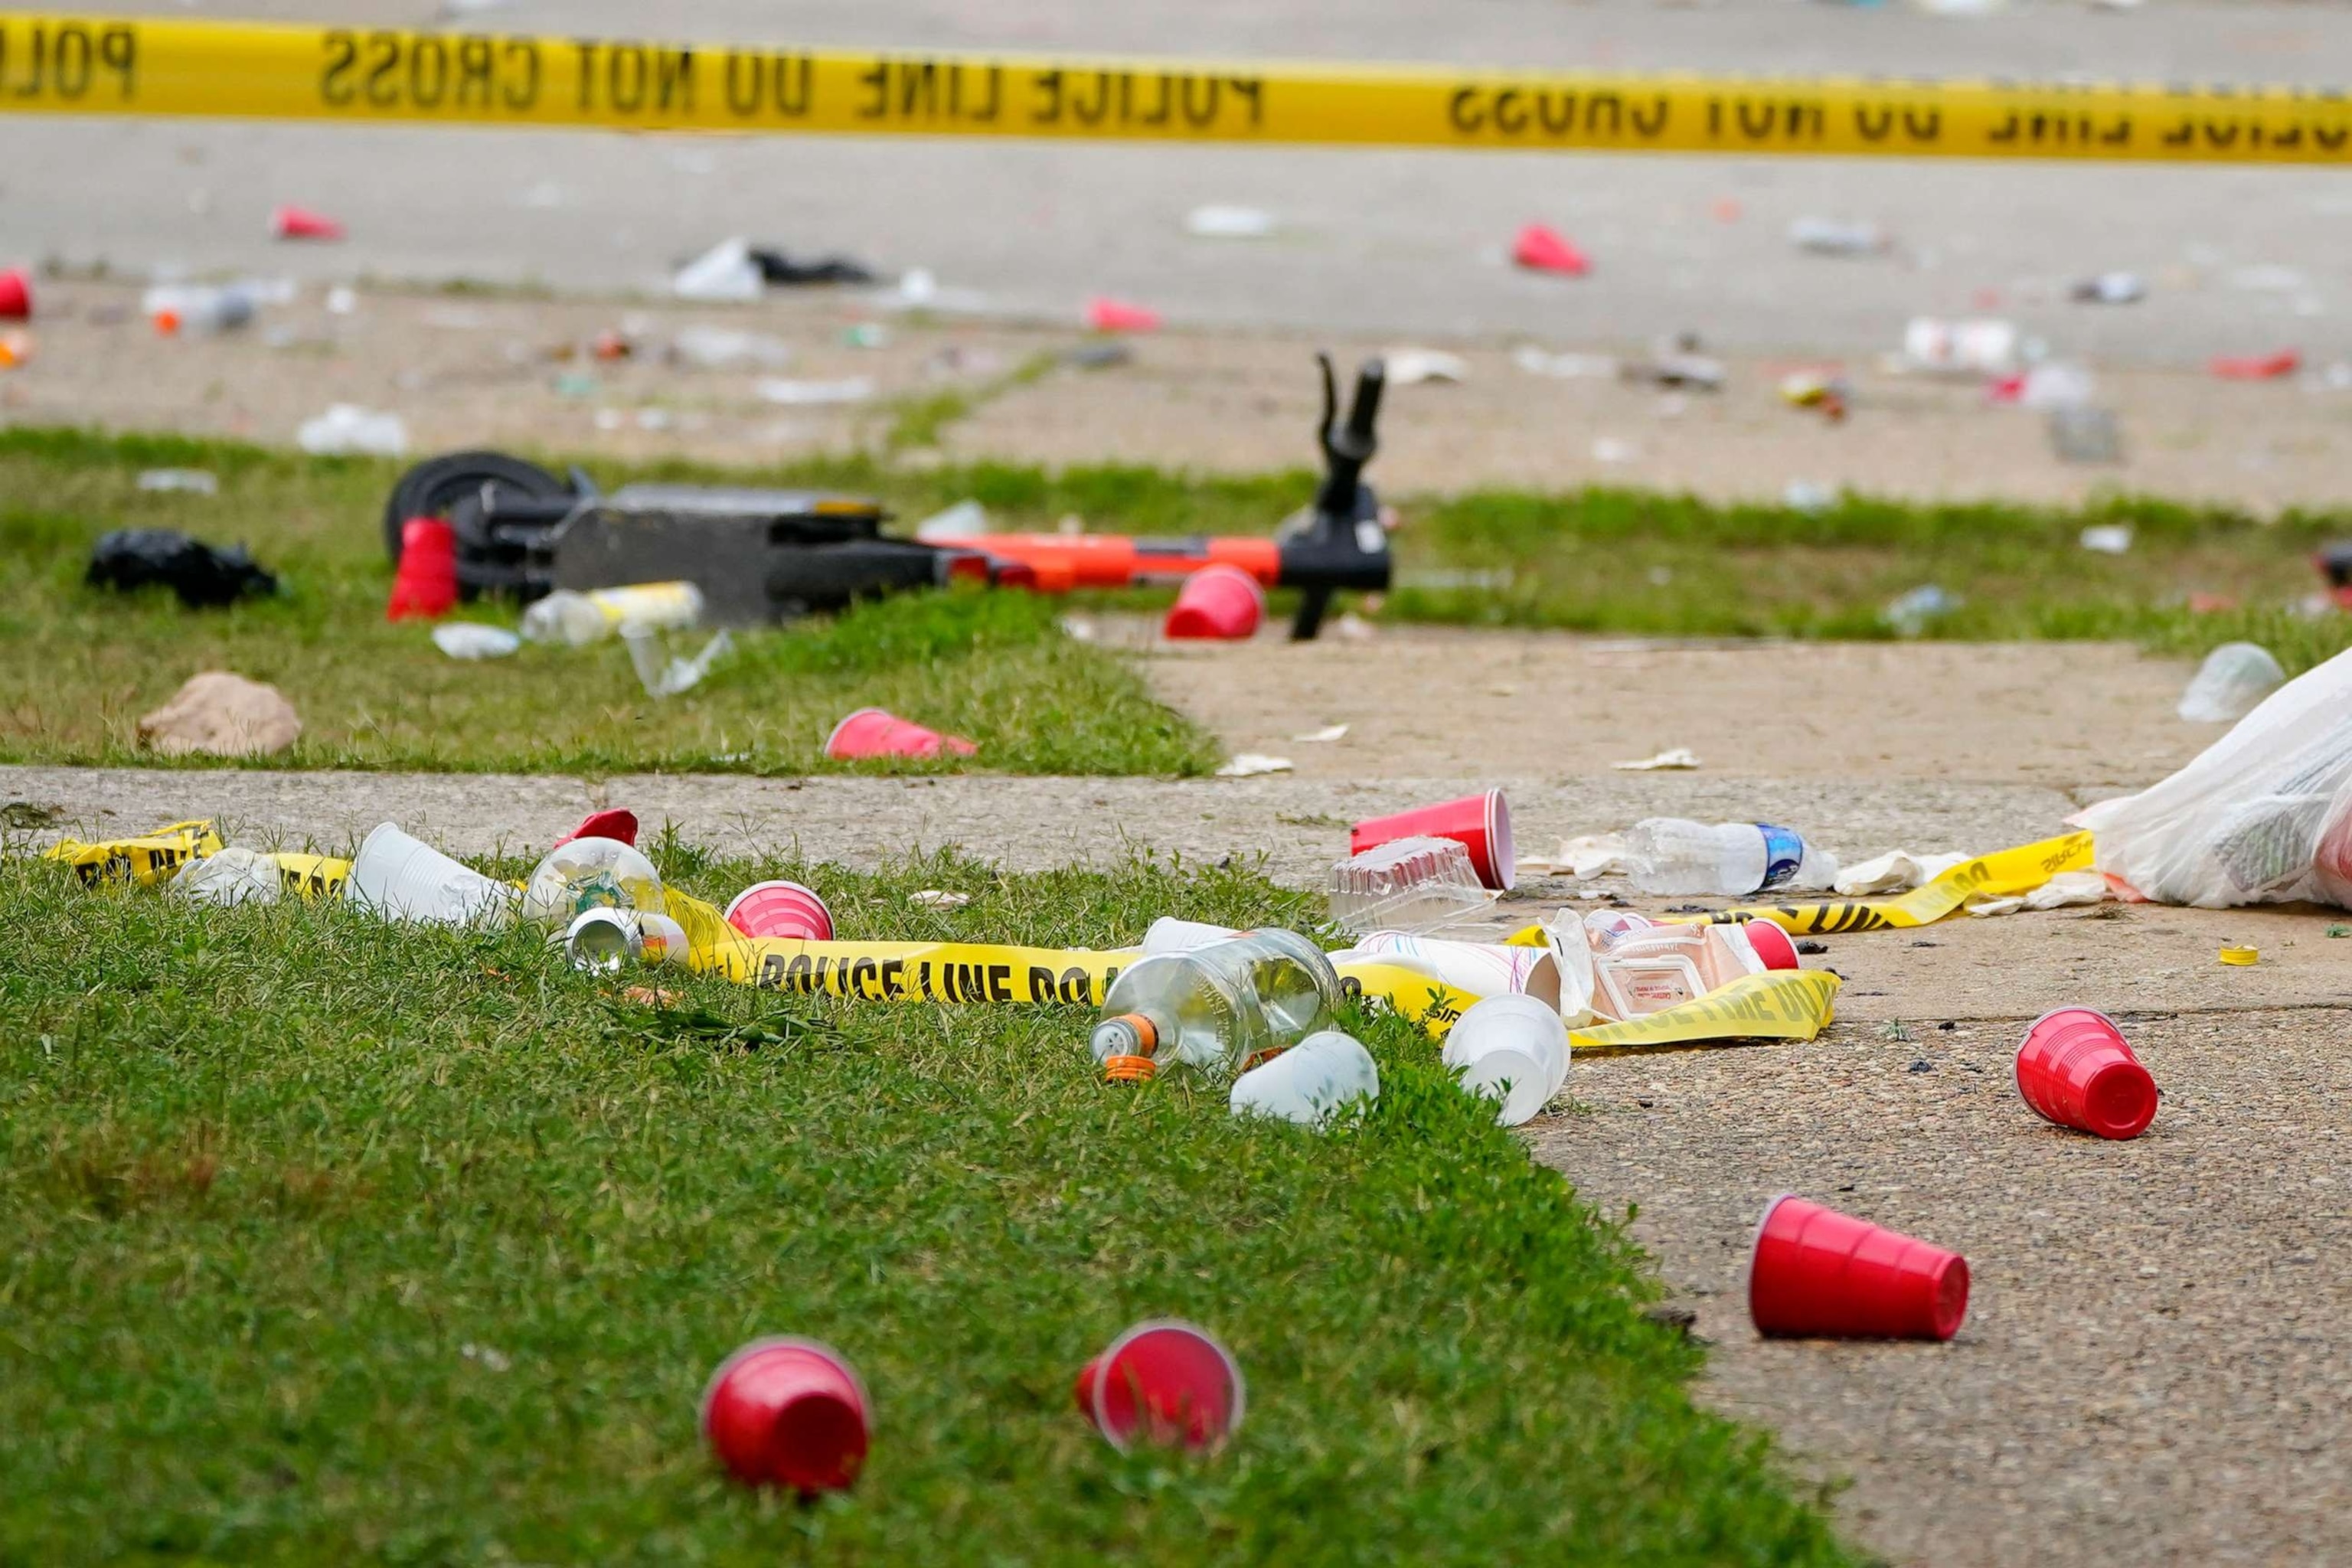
{"x":81,"y":64}
{"x":149,"y":860}
{"x":1787,"y":1004}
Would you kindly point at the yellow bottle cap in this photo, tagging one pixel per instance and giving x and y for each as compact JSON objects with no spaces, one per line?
{"x":2240,"y":956}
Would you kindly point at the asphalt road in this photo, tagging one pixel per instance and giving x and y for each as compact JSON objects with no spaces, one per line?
{"x":1409,"y":243}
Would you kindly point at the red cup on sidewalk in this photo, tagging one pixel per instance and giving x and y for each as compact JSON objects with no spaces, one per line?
{"x":1817,"y":1273}
{"x":1218,"y":602}
{"x":1164,"y":1382}
{"x":2075,"y":1069}
{"x":789,"y":1412}
{"x":1106,"y":315}
{"x":15,"y":296}
{"x":875,"y":733}
{"x":781,"y":909}
{"x":1771,"y":944}
{"x":301,"y":223}
{"x":1480,"y":823}
{"x":1542,"y":250}
{"x":424,"y":583}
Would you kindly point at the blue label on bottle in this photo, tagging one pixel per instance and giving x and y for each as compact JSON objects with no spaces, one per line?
{"x":1784,"y":851}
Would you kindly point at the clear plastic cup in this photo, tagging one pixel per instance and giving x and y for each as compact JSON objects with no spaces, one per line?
{"x":1511,"y":1048}
{"x":405,"y":879}
{"x":1309,"y":1082}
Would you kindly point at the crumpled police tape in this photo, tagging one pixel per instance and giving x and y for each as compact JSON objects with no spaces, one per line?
{"x":1793,"y":1005}
{"x":2003,"y":874}
{"x":363,"y":75}
{"x":154,"y":858}
{"x":149,"y":860}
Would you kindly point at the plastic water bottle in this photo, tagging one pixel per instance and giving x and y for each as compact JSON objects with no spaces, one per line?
{"x":1217,"y":1008}
{"x":1672,"y":855}
{"x":1310,"y":1081}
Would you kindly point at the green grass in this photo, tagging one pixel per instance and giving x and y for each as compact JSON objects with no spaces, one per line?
{"x":1626,"y":562}
{"x":267,"y":1174}
{"x":79,"y":665}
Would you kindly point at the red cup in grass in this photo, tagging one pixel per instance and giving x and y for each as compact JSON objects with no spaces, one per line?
{"x":877,"y":732}
{"x":424,"y":583}
{"x":781,"y":909}
{"x":788,"y":1412}
{"x":1220,"y":602}
{"x":1480,"y":823}
{"x":1817,"y":1273}
{"x":2075,"y":1069}
{"x":1165,"y":1383}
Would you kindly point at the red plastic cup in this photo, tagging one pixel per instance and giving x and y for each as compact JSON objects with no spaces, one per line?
{"x":2075,"y":1069}
{"x":15,"y":296}
{"x":781,"y":909}
{"x":1219,"y":603}
{"x":424,"y":583}
{"x":2257,"y":367}
{"x":1480,"y":823}
{"x":1118,"y":316}
{"x":1771,"y":944}
{"x":875,"y":733}
{"x":1820,"y":1273}
{"x":1164,"y":1382}
{"x":788,"y":1412}
{"x":1542,"y":250}
{"x":301,"y":223}
{"x":620,"y":826}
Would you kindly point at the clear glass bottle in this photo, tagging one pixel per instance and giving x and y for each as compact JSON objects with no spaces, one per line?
{"x":1217,"y":1009}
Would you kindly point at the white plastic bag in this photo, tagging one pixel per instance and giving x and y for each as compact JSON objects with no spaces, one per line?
{"x":2261,"y":816}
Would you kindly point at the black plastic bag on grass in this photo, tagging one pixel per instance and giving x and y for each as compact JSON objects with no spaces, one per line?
{"x":204,"y":575}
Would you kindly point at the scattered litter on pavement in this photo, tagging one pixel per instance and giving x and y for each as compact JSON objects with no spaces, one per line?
{"x":1108,"y":315}
{"x":2261,"y":816}
{"x":1564,"y":366}
{"x":1539,"y":248}
{"x":2230,"y":683}
{"x":1411,"y":367}
{"x":347,"y":430}
{"x":1673,"y":758}
{"x":15,"y":295}
{"x":2075,"y":1069}
{"x":813,"y":394}
{"x":174,"y":308}
{"x":1896,"y":871}
{"x":1585,"y":857}
{"x":725,"y":348}
{"x":1832,"y":236}
{"x":1826,"y":391}
{"x":1412,"y":884}
{"x":1250,"y":764}
{"x":1676,"y":854}
{"x":779,"y":271}
{"x":1328,"y":734}
{"x":2110,"y":289}
{"x":1982,"y":347}
{"x":2063,"y":890}
{"x":724,"y":275}
{"x":301,"y":223}
{"x":2258,"y":367}
{"x":2237,"y":957}
{"x":2050,"y":386}
{"x":938,"y":899}
{"x":220,"y":714}
{"x":470,"y":640}
{"x":201,"y":574}
{"x":1802,"y":1282}
{"x":1216,"y":222}
{"x":1675,"y":367}
{"x":2107,"y":538}
{"x":1480,"y":823}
